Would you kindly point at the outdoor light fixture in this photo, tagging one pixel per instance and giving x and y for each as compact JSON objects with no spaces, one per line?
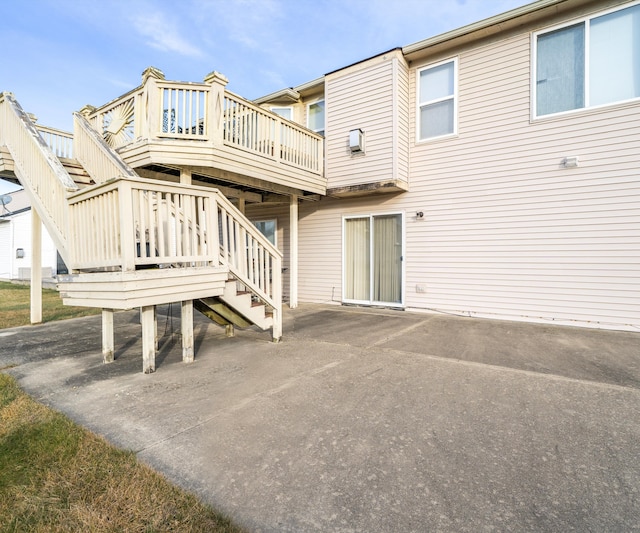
{"x":19,"y":253}
{"x":356,"y":141}
{"x":570,"y":162}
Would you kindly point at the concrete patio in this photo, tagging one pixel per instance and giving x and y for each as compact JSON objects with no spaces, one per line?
{"x":365,"y":420}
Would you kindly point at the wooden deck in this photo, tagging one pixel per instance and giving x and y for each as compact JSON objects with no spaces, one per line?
{"x":211,"y":131}
{"x":126,"y":290}
{"x":135,"y":242}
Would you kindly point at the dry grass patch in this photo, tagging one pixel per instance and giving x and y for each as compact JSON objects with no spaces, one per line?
{"x":15,"y":306}
{"x":56,"y":476}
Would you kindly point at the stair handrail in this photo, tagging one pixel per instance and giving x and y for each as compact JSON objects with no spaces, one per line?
{"x":251,"y":258}
{"x":238,"y":252}
{"x":132,"y":223}
{"x":130,"y":216}
{"x":39,"y":171}
{"x":98,"y":158}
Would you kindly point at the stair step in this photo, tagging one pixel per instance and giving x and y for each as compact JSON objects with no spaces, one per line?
{"x":219,"y":312}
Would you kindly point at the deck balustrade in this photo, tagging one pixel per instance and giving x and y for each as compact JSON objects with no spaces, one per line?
{"x":206,"y":112}
{"x":60,"y":142}
{"x":40,"y":172}
{"x":183,"y":111}
{"x":129,"y":224}
{"x":96,"y":156}
{"x":125,"y":223}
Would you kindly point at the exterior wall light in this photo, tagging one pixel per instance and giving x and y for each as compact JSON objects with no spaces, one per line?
{"x":569,"y":162}
{"x":356,"y":141}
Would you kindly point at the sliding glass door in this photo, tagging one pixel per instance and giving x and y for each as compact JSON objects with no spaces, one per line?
{"x":372,"y":259}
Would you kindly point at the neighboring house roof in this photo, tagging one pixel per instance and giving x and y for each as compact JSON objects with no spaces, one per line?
{"x":6,"y":216}
{"x":291,"y":94}
{"x":19,"y":203}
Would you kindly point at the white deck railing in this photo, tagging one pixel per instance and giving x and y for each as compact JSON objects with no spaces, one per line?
{"x":120,"y":121}
{"x":257,"y":130}
{"x":126,"y":223}
{"x":135,"y":223}
{"x":96,"y":156}
{"x":38,"y":169}
{"x":183,"y":110}
{"x":60,"y":142}
{"x":164,"y":110}
{"x":248,"y":253}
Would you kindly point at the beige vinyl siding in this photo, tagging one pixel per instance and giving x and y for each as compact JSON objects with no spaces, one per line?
{"x":361,"y":98}
{"x":320,"y":248}
{"x":508,"y":232}
{"x":402,"y":117}
{"x":320,"y":253}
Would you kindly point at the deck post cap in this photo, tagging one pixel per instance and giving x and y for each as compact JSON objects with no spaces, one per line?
{"x":152,"y":72}
{"x":87,"y":110}
{"x":216,"y":77}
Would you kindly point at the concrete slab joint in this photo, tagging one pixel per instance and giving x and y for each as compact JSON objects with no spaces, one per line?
{"x":395,"y":421}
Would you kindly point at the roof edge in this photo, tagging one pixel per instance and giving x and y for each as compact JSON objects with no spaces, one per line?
{"x":479,"y":25}
{"x":283,"y":94}
{"x":290,"y":93}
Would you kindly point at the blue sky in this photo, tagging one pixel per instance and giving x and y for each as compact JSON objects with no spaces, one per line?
{"x":59,"y":55}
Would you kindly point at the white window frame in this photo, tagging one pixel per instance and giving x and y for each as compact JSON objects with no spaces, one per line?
{"x":371,"y":216}
{"x":289,"y":108}
{"x":325,"y":115}
{"x":255,"y":222}
{"x":454,"y":97}
{"x":587,"y":38}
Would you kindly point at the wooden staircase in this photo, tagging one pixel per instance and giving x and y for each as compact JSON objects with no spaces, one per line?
{"x":132,"y":242}
{"x":235,"y":307}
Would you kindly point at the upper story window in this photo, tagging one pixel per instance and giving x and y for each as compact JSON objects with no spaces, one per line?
{"x":284,"y":112}
{"x":315,"y":117}
{"x":437,"y":100}
{"x":593,"y":62}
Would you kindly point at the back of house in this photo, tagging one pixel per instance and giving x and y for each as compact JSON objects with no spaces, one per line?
{"x":492,"y":171}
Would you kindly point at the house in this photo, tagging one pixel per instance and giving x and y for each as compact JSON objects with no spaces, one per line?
{"x":491,"y":171}
{"x":15,"y":242}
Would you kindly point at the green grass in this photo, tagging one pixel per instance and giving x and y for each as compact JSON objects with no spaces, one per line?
{"x":15,"y":306}
{"x":57,"y":477}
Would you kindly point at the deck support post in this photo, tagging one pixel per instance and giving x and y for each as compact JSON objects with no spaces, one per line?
{"x":276,"y":330}
{"x":148,"y":319}
{"x":108,"y":349}
{"x":230,"y":330}
{"x":293,"y":252}
{"x":185,"y":176}
{"x":156,"y":342}
{"x":187,"y":331}
{"x":36,"y":267}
